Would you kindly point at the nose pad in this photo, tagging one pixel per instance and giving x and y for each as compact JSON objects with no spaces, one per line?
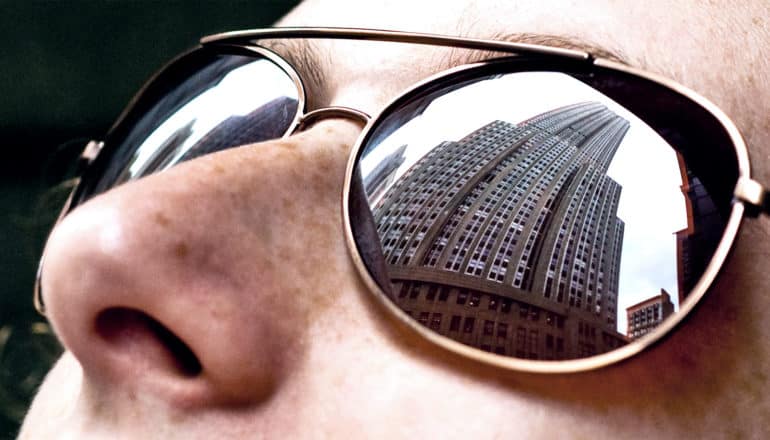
{"x":197,"y":284}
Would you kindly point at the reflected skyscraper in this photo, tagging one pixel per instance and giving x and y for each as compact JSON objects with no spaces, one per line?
{"x":508,"y":239}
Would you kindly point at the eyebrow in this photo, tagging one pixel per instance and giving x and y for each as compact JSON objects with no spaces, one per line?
{"x":308,"y":58}
{"x":459,"y":56}
{"x":305,"y":56}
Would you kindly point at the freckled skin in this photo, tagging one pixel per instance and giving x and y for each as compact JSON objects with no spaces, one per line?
{"x":241,"y":254}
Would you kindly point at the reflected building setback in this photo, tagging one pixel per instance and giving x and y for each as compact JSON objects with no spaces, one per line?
{"x":696,"y":243}
{"x":508,"y":240}
{"x":384,"y":174}
{"x":158,"y":159}
{"x":648,"y":314}
{"x":263,"y":123}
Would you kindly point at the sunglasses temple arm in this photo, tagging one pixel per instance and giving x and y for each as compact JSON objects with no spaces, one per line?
{"x":753,"y":195}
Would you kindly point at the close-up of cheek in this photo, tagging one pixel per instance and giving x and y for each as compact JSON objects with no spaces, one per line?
{"x":194,"y":286}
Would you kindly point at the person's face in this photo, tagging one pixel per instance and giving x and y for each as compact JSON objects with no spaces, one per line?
{"x":240,"y":254}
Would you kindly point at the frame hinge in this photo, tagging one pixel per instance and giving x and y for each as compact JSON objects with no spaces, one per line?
{"x":754,"y":195}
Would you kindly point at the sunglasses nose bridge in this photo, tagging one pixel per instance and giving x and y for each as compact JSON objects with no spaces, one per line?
{"x":310,"y":118}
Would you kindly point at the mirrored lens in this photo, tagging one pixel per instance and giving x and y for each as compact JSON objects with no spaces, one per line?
{"x":531,"y":215}
{"x":205,"y":102}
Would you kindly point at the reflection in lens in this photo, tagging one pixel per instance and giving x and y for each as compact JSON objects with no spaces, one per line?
{"x":510,"y":238}
{"x":242,"y":107}
{"x":223,"y":101}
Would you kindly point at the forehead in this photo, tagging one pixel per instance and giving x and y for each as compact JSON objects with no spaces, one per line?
{"x":687,"y":35}
{"x":715,"y":48}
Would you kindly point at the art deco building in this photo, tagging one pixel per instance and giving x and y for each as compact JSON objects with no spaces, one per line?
{"x":648,"y":314}
{"x":508,"y":239}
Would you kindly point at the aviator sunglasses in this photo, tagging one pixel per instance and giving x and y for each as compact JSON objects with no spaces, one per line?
{"x":545,"y":211}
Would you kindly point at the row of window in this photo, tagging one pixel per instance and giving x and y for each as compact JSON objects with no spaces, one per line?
{"x":524,"y":344}
{"x":411,"y":292}
{"x":455,"y":161}
{"x":574,"y":121}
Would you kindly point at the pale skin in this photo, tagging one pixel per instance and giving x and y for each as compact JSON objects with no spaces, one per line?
{"x":241,"y":254}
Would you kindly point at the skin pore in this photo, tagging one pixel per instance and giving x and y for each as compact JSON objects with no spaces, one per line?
{"x":241,"y":255}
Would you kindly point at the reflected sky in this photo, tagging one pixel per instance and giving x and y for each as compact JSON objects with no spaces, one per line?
{"x":651,"y":204}
{"x":237,"y":94}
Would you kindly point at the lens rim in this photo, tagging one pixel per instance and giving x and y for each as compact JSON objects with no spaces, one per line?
{"x":563,"y":64}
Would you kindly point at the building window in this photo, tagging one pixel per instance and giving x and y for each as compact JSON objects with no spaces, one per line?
{"x":454,"y":325}
{"x":435,"y":322}
{"x":431,"y":295}
{"x":502,"y":330}
{"x":489,"y":327}
{"x":468,"y":325}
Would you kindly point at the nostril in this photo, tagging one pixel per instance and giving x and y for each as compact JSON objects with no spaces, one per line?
{"x":146,"y":340}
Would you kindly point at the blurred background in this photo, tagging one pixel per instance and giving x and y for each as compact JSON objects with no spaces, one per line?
{"x":67,"y":69}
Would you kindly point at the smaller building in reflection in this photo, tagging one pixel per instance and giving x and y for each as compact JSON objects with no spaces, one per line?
{"x":648,"y":314}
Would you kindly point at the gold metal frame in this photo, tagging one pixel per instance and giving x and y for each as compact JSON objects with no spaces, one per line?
{"x":748,"y":193}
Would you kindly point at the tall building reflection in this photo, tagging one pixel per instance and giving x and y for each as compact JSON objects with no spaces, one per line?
{"x":508,"y":239}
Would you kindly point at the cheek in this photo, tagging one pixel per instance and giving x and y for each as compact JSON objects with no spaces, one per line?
{"x":55,"y":403}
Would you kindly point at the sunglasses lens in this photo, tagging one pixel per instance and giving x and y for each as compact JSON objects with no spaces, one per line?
{"x":541,"y":215}
{"x":204,"y":102}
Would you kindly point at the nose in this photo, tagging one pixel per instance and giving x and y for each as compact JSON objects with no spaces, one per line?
{"x":197,"y":285}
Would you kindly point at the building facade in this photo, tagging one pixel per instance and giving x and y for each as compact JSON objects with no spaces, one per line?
{"x":648,"y":314}
{"x":508,"y":239}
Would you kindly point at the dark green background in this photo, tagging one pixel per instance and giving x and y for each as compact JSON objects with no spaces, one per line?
{"x":67,"y":68}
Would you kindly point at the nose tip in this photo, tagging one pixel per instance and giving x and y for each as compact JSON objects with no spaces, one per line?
{"x":198,"y":284}
{"x":146,"y":304}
